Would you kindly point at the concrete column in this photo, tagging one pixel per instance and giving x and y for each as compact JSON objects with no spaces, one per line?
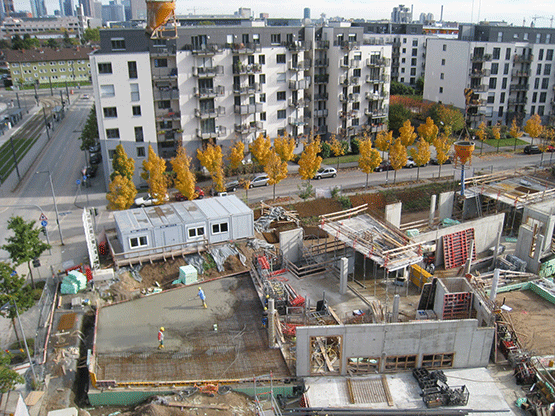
{"x":494,"y":283}
{"x":395,"y":315}
{"x":497,"y":242}
{"x":343,"y":274}
{"x":432,"y":210}
{"x":271,"y":323}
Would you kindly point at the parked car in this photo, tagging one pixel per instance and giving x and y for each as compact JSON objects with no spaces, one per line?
{"x":385,"y":165}
{"x":90,"y":171}
{"x":325,"y":172}
{"x":95,"y":158}
{"x":178,"y":196}
{"x":232,"y":186}
{"x":410,"y":163}
{"x":550,"y":148}
{"x":434,"y":161}
{"x":95,"y":148}
{"x":532,"y":149}
{"x":85,"y":96}
{"x":259,"y":180}
{"x":148,"y":200}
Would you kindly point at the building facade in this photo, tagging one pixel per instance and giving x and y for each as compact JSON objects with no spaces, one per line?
{"x":42,"y":28}
{"x":223,"y":84}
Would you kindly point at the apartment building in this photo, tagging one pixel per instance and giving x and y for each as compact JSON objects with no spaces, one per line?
{"x":509,"y":69}
{"x":42,"y":28}
{"x":221,"y":84}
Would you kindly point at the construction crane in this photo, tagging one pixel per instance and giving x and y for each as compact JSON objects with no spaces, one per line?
{"x":550,"y":18}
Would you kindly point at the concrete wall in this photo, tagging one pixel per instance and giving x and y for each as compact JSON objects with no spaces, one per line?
{"x":470,"y":343}
{"x":522,"y":250}
{"x":290,"y":243}
{"x":485,"y":234}
{"x":446,"y":200}
{"x":393,"y":214}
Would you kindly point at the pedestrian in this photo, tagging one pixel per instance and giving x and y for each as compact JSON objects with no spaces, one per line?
{"x":265,"y":318}
{"x":202,"y":296}
{"x":161,"y":338}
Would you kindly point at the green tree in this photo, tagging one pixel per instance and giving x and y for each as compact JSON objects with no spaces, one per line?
{"x":398,"y":88}
{"x":276,"y":169}
{"x":420,"y":86}
{"x":25,"y":245}
{"x":8,"y":377}
{"x":184,"y":179}
{"x":121,"y":194}
{"x":17,"y":42}
{"x":91,"y":35}
{"x":89,"y":135}
{"x":398,"y":114}
{"x":29,"y":42}
{"x":154,"y":169}
{"x":369,"y":158}
{"x":451,"y":118}
{"x":122,"y":164}
{"x":67,"y":40}
{"x":309,"y":163}
{"x":53,"y":43}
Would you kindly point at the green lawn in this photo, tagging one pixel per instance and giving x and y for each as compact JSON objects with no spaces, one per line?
{"x":502,"y":143}
{"x":332,"y":161}
{"x":21,"y":147}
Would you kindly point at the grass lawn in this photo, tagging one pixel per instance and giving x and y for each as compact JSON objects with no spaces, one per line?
{"x":502,"y":143}
{"x":332,"y":161}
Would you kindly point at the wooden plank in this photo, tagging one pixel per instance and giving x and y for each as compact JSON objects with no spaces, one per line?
{"x":33,"y":397}
{"x":387,"y":391}
{"x":350,"y":390}
{"x":324,"y":354}
{"x":332,"y":313}
{"x":199,"y":406}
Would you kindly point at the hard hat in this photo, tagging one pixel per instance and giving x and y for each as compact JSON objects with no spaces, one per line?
{"x":265,"y":308}
{"x":199,"y":288}
{"x":267,"y":296}
{"x":162,"y":329}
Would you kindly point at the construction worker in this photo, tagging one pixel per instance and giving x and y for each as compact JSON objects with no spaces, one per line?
{"x":161,"y":338}
{"x":202,"y":296}
{"x":265,"y":318}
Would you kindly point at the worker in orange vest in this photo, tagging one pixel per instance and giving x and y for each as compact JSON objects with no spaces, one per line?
{"x":161,"y":338}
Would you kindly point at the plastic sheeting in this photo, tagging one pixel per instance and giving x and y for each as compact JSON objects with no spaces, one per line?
{"x":221,"y":253}
{"x":262,"y":224}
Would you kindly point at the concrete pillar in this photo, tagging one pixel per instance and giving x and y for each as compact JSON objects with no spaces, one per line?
{"x":494,"y":283}
{"x":468,"y":265}
{"x":432,"y":210}
{"x":393,"y":214}
{"x":271,"y":323}
{"x":446,"y":200}
{"x":497,"y":242}
{"x":343,"y":274}
{"x":395,"y":315}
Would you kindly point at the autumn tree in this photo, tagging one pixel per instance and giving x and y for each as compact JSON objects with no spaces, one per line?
{"x":421,"y":155}
{"x":260,"y":149}
{"x":515,"y":132}
{"x":236,"y":155}
{"x":284,"y":147}
{"x":451,"y":119}
{"x":481,"y":133}
{"x":122,"y":193}
{"x":211,"y":159}
{"x":496,"y":132}
{"x":154,"y":172}
{"x":309,"y":163}
{"x":407,"y":134}
{"x":397,"y":156}
{"x":369,"y":158}
{"x":384,"y":140}
{"x":428,"y":131}
{"x":534,"y":127}
{"x":185,"y":180}
{"x":276,"y":169}
{"x":24,"y":245}
{"x":442,"y":145}
{"x":337,"y":147}
{"x":122,"y":164}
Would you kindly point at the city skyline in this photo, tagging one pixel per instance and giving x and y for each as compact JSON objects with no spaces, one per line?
{"x":464,"y":12}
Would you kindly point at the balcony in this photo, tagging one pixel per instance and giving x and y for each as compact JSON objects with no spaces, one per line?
{"x":247,"y":128}
{"x":518,"y":101}
{"x":321,"y":129}
{"x":300,"y":65}
{"x":521,"y":59}
{"x":206,"y":50}
{"x":164,"y":73}
{"x":168,"y":115}
{"x":374,"y":96}
{"x":207,"y":72}
{"x":243,"y":69}
{"x":248,"y":109}
{"x":377,"y":61}
{"x":298,"y":46}
{"x":169,"y":135}
{"x":347,"y":45}
{"x":299,"y":85}
{"x":321,"y":62}
{"x":165,"y":94}
{"x":375,"y":79}
{"x":480,"y":88}
{"x":321,"y":78}
{"x":477,"y":103}
{"x":376,"y":113}
{"x":320,"y":97}
{"x":355,"y":63}
{"x":247,"y":89}
{"x":519,"y":87}
{"x":165,"y":51}
{"x":218,"y":132}
{"x":479,"y":73}
{"x":219,"y":91}
{"x":297,"y":121}
{"x":481,"y":57}
{"x":520,"y":73}
{"x":299,"y":102}
{"x":249,"y":48}
{"x":209,"y":112}
{"x":322,"y":44}
{"x":476,"y":116}
{"x":321,"y":113}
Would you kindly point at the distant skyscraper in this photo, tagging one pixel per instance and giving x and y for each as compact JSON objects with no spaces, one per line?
{"x":138,"y":9}
{"x":401,"y":14}
{"x":66,"y":8}
{"x":38,"y":8}
{"x":306,"y":13}
{"x":8,"y":8}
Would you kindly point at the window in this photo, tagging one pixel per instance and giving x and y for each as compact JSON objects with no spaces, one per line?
{"x":219,"y":228}
{"x":404,"y":50}
{"x":135,"y":95}
{"x":549,"y":55}
{"x":107,"y":91}
{"x":139,"y":134}
{"x":262,"y":78}
{"x":413,"y":72}
{"x":132,"y":69}
{"x":444,"y":48}
{"x":164,"y":104}
{"x":112,"y":133}
{"x":504,"y":83}
{"x":508,"y":54}
{"x":500,"y":112}
{"x":534,"y":97}
{"x":545,"y":83}
{"x":536,"y":83}
{"x":438,"y":360}
{"x":141,"y":152}
{"x":110,"y":112}
{"x":539,"y":69}
{"x":118,"y":44}
{"x":400,"y":362}
{"x":136,"y":242}
{"x":262,"y":98}
{"x":415,"y":42}
{"x":281,"y":77}
{"x":281,"y":114}
{"x":414,"y":52}
{"x":136,"y":110}
{"x":543,"y":97}
{"x":442,"y":76}
{"x":526,"y":36}
{"x":502,"y":98}
{"x":256,"y":38}
{"x":363,"y":365}
{"x":281,"y":132}
{"x":493,"y":83}
{"x":104,"y":67}
{"x":262,"y":59}
{"x":443,"y":62}
{"x":275,"y":38}
{"x":441,"y":90}
{"x":161,"y":63}
{"x":547,"y":69}
{"x":540,"y":53}
{"x":496,"y":53}
{"x":413,"y":62}
{"x":403,"y":60}
{"x":494,"y":68}
{"x":280,"y":59}
{"x":532,"y":109}
{"x":263,"y":116}
{"x":195,"y":232}
{"x":404,"y":40}
{"x":491,"y":98}
{"x":506,"y":69}
{"x":281,"y":95}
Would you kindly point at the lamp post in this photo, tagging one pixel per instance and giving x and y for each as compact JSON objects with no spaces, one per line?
{"x":55,"y":206}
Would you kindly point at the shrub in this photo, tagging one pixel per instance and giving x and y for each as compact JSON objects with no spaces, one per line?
{"x":306,"y":190}
{"x":326,"y":150}
{"x":344,"y":201}
{"x":354,"y":146}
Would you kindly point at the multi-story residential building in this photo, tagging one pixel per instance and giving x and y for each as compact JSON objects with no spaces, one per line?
{"x":222,"y":84}
{"x":45,"y":27}
{"x":48,"y":65}
{"x":509,"y":69}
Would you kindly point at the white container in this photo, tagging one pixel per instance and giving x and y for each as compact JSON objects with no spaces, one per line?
{"x":188,"y":274}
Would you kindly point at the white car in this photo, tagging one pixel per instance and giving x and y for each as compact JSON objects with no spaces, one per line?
{"x":148,"y":200}
{"x":325,"y":172}
{"x":259,"y":180}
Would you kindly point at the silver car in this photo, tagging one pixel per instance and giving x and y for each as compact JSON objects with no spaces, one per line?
{"x":325,"y":172}
{"x":259,"y":180}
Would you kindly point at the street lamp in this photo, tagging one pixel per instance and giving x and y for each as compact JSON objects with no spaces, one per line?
{"x":55,"y":205}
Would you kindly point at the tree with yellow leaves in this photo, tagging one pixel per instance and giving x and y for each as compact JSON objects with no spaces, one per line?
{"x":276,"y":169}
{"x":236,"y":155}
{"x":337,"y":147}
{"x":428,"y":131}
{"x":309,"y":163}
{"x":384,"y":140}
{"x":260,"y":149}
{"x":534,"y":127}
{"x":184,"y":179}
{"x":421,"y":155}
{"x":122,"y":193}
{"x":407,"y":134}
{"x":369,"y":158}
{"x":211,"y":158}
{"x":154,"y":172}
{"x":443,"y":145}
{"x":496,"y":132}
{"x":284,"y":147}
{"x":481,"y":134}
{"x":122,"y":164}
{"x":515,"y":132}
{"x":397,"y":157}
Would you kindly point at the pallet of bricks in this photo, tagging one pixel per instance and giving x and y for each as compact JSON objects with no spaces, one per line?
{"x":436,"y":392}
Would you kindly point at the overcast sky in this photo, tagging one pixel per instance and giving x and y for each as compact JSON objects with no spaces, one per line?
{"x":511,"y":11}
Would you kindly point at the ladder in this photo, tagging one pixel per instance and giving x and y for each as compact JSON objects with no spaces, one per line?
{"x":90,"y":239}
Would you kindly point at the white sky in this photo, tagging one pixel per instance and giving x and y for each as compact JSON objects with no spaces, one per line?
{"x":511,"y":11}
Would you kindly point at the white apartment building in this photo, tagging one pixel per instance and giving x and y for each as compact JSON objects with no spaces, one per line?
{"x":221,"y":84}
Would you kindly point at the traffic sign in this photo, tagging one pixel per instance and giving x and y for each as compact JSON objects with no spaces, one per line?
{"x":44,"y":223}
{"x":78,"y":182}
{"x":42,"y":217}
